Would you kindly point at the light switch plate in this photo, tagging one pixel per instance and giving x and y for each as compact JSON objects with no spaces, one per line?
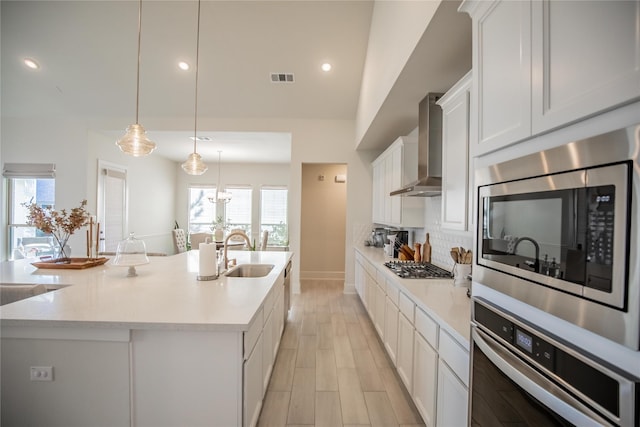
{"x":42,"y":373}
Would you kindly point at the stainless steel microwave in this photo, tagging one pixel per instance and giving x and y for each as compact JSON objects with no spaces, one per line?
{"x":559,"y":230}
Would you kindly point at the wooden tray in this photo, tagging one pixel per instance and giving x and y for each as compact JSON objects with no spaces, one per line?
{"x":71,"y":263}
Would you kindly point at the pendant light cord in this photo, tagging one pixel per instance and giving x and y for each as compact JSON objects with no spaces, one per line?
{"x":138,"y":72}
{"x":195,"y":115}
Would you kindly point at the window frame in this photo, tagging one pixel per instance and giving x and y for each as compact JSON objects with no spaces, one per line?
{"x":270,"y":240}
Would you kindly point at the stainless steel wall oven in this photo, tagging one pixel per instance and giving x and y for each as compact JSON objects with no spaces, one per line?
{"x":523,"y":375}
{"x":558,"y":230}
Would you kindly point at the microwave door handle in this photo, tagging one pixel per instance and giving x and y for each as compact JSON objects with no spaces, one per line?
{"x":546,"y":392}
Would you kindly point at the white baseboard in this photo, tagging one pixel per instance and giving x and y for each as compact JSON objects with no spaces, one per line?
{"x":349,"y":288}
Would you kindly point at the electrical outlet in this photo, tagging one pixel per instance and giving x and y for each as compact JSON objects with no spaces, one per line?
{"x":42,"y":373}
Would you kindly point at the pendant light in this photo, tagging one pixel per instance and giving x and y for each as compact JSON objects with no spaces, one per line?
{"x":135,"y":141}
{"x":194,"y":164}
{"x":221,"y":196}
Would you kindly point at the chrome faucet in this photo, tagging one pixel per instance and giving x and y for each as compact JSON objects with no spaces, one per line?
{"x":536,"y":263}
{"x":235,"y":233}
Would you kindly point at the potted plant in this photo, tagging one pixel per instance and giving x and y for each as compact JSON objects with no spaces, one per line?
{"x":219,"y":228}
{"x":61,"y":225}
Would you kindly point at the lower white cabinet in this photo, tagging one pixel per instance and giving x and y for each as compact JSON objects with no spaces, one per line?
{"x":391,"y":329}
{"x":452,"y":408}
{"x":253,"y":385}
{"x":404,"y":361}
{"x":432,"y":364}
{"x":267,"y":349}
{"x":381,"y":300}
{"x":425,"y":379}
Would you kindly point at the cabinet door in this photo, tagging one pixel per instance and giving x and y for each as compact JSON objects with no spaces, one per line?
{"x":405,"y":351}
{"x":425,"y":368}
{"x":455,"y":155}
{"x":378,"y":199}
{"x":395,"y":182}
{"x":502,"y":73}
{"x":267,"y":350}
{"x":391,"y":329}
{"x":453,"y":398}
{"x":379,"y":311}
{"x":586,"y":59}
{"x":253,"y":387}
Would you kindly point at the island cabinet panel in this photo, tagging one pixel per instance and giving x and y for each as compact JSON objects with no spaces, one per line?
{"x":90,"y":382}
{"x":187,"y":378}
{"x":253,"y":385}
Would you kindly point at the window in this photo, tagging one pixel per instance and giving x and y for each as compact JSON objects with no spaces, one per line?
{"x":238,"y":210}
{"x":26,"y":241}
{"x":273,"y":215}
{"x":201,"y":210}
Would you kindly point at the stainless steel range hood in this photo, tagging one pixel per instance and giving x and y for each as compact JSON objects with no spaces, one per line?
{"x":429,"y":181}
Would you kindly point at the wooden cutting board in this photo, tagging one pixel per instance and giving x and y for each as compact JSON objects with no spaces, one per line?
{"x":426,"y":250}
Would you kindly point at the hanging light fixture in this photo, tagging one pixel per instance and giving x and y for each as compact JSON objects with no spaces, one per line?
{"x":135,"y":141}
{"x":194,"y":164}
{"x":221,"y":196}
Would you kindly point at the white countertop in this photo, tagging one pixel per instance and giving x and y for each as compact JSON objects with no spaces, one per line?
{"x":165,"y":294}
{"x":439,"y":298}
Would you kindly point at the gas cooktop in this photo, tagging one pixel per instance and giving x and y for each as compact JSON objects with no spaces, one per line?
{"x":417,"y":270}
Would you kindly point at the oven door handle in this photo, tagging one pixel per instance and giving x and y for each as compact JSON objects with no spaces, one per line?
{"x":534,"y":383}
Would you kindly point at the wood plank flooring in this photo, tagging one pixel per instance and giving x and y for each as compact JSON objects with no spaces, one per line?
{"x":331,"y":369}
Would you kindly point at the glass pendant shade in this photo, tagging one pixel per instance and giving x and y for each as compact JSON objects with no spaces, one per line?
{"x":194,"y":165}
{"x":135,"y":142}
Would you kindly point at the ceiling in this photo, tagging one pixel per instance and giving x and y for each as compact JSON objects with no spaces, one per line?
{"x":87,"y":55}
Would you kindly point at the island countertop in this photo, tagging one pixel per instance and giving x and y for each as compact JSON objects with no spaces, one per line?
{"x":165,"y":295}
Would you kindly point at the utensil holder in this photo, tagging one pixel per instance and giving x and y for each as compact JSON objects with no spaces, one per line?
{"x":460,"y":273}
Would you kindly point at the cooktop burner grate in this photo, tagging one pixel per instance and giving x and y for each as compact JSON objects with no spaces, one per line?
{"x":417,"y":270}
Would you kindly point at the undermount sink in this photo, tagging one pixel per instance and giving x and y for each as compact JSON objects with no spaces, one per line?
{"x":250,"y":270}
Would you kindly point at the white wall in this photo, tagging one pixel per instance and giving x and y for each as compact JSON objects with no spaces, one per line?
{"x":151,"y":182}
{"x":396,"y":28}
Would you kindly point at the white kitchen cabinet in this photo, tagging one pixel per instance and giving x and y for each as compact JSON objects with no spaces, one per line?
{"x":585,"y":59}
{"x":501,"y":50}
{"x":425,"y":378}
{"x":391,"y":329}
{"x":455,"y":155}
{"x":253,"y":385}
{"x":379,"y":318}
{"x":404,"y":359}
{"x":452,"y":406}
{"x":267,"y":349}
{"x":394,"y":168}
{"x":539,"y":65}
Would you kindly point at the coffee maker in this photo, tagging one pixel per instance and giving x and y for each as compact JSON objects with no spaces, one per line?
{"x":402,"y":238}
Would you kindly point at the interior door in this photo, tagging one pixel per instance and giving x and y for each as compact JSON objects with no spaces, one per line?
{"x":112,"y":205}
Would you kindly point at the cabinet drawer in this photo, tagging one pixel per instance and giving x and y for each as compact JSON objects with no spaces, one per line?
{"x":251,"y":336}
{"x":427,"y":327}
{"x":407,"y":307}
{"x":455,"y":356}
{"x":393,"y":292}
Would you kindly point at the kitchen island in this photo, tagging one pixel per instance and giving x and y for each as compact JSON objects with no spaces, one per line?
{"x":158,"y":349}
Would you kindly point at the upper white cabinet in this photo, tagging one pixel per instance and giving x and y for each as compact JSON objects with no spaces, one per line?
{"x":394,"y":168}
{"x":539,"y":65}
{"x":455,"y":155}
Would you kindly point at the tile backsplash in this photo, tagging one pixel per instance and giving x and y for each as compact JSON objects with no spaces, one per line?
{"x":442,"y":240}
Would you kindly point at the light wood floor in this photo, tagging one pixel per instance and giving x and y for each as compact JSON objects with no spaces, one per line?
{"x":331,"y":369}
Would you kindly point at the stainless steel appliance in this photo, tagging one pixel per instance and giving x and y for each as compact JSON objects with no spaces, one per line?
{"x":558,"y":230}
{"x":429,"y":181}
{"x":417,"y":270}
{"x":523,"y":375}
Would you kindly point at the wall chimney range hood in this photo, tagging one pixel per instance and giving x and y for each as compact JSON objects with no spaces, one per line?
{"x":429,"y":181}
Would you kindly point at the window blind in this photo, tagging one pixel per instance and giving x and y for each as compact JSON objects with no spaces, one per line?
{"x":29,"y":170}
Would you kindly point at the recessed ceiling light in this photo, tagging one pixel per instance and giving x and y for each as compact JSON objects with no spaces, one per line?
{"x":326,"y":67}
{"x":31,"y":63}
{"x":183,"y":65}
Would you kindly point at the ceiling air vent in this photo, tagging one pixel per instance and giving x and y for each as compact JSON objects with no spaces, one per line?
{"x":282,"y":78}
